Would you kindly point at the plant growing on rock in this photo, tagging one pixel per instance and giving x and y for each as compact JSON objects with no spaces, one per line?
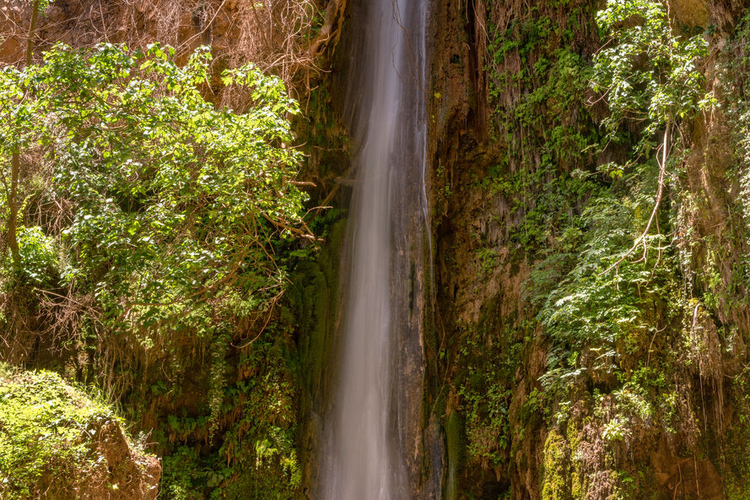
{"x":648,"y":71}
{"x":57,"y":442}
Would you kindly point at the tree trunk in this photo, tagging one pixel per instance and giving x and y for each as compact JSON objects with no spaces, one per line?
{"x":15,"y":166}
{"x":13,"y":206}
{"x":32,"y":29}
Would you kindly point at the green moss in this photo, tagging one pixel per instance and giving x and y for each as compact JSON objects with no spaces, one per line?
{"x":556,"y":468}
{"x":454,"y":433}
{"x":312,"y":306}
{"x":182,"y":475}
{"x":489,"y":354}
{"x":47,"y":430}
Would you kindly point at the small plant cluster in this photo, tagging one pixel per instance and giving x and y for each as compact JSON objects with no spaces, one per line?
{"x":256,"y":456}
{"x":483,"y":368}
{"x":648,"y":73}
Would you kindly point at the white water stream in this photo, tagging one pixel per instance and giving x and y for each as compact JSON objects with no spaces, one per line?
{"x":363,"y":455}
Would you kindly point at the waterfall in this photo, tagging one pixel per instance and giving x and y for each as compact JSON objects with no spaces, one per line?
{"x":367,"y":453}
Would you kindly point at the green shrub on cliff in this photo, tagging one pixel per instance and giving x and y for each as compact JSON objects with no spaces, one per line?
{"x":649,"y":74}
{"x":169,"y":200}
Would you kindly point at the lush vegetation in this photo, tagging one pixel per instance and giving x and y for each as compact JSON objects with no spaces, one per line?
{"x":622,"y":279}
{"x":596,"y":112}
{"x":149,"y":232}
{"x":168,"y":201}
{"x":156,"y":246}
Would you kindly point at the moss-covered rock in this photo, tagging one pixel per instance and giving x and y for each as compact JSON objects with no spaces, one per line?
{"x":56,"y":442}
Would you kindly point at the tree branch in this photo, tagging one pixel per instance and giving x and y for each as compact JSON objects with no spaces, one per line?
{"x":659,"y":192}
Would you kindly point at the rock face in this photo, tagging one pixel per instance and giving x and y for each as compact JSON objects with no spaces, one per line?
{"x":495,"y":160}
{"x":57,"y":443}
{"x":135,"y":473}
{"x":285,"y":37}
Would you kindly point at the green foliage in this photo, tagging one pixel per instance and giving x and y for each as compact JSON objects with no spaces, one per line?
{"x":487,"y":427}
{"x":255,"y":424}
{"x":488,"y":362}
{"x":486,"y":261}
{"x":177,"y":221}
{"x":538,"y":84}
{"x":562,"y":77}
{"x":47,"y":430}
{"x":173,"y":200}
{"x":606,"y":315}
{"x":647,"y":70}
{"x":725,"y":274}
{"x":613,"y":311}
{"x":42,"y":5}
{"x":737,"y":469}
{"x":649,"y":75}
{"x":39,"y":260}
{"x":182,"y":475}
{"x":615,"y":315}
{"x":737,"y":88}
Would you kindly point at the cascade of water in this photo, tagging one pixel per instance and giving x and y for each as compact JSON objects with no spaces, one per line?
{"x":363,"y":457}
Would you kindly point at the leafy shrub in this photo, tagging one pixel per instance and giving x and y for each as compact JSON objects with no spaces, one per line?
{"x":173,"y":218}
{"x":648,"y":72}
{"x":171,"y":198}
{"x":38,"y":257}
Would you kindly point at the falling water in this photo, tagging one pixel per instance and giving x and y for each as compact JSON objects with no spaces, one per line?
{"x":364,"y":457}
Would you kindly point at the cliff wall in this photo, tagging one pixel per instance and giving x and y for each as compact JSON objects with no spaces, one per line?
{"x":568,"y":370}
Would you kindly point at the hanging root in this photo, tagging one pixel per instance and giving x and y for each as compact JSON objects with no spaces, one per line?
{"x":659,"y":192}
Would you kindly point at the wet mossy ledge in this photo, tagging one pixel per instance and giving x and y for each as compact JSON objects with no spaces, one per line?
{"x":57,"y":442}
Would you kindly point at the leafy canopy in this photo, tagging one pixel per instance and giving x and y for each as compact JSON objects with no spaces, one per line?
{"x":172,"y":203}
{"x":647,"y":69}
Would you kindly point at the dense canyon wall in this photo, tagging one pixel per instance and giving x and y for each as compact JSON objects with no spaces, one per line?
{"x":539,"y":401}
